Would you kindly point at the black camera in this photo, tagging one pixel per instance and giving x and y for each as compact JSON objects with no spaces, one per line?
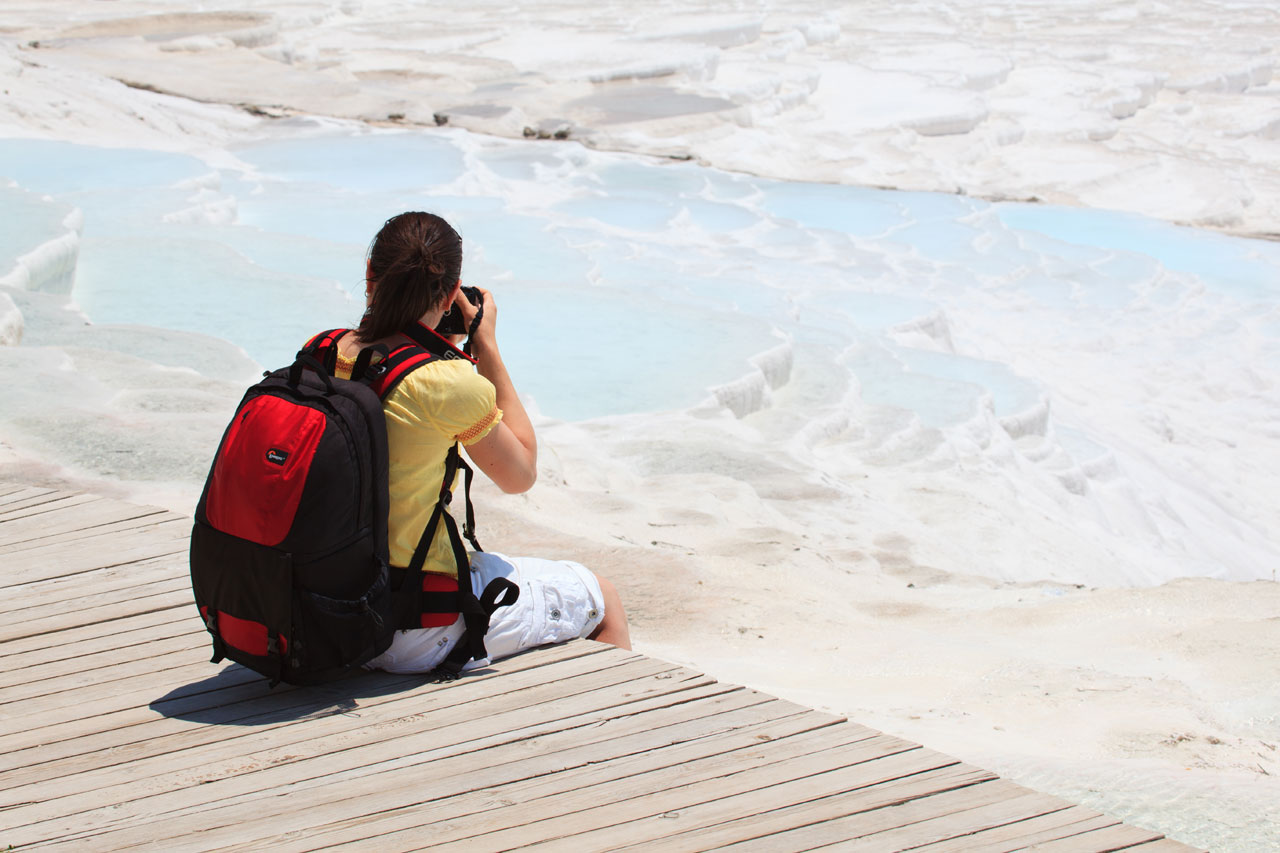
{"x":452,"y":323}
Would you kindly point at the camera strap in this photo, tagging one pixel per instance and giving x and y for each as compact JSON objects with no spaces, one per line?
{"x":435,"y":343}
{"x":475,"y":324}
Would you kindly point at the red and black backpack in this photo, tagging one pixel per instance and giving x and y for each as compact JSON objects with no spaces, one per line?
{"x":289,"y":556}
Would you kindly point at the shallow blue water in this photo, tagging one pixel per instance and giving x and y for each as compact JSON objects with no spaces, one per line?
{"x":26,"y":220}
{"x":1245,"y":269}
{"x":624,"y":284}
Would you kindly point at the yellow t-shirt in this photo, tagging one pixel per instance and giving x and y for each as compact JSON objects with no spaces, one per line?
{"x":434,"y":406}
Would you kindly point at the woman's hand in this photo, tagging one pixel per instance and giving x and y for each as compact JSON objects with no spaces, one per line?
{"x":509,"y":453}
{"x":486,"y":334}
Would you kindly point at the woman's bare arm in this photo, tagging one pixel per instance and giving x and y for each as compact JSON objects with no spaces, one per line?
{"x":508,"y":455}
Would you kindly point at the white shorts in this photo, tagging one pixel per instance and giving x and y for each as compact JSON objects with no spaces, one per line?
{"x":559,"y":600}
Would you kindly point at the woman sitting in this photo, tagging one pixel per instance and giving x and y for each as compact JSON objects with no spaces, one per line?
{"x":413,"y":275}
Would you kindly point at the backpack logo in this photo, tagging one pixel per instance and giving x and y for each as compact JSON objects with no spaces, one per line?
{"x":276,"y":456}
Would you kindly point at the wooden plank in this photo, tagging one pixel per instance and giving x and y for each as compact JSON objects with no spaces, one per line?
{"x":935,"y":818}
{"x":62,"y":715}
{"x":432,"y":775}
{"x":346,"y":751}
{"x":202,"y":801}
{"x":143,"y":526}
{"x":119,"y":635}
{"x":98,"y":634}
{"x":135,"y":601}
{"x":94,"y":556}
{"x":231,"y":696}
{"x":348,"y":756}
{"x":207,"y":700}
{"x":63,"y":519}
{"x":89,"y":592}
{"x":42,"y":718}
{"x":599,"y":725}
{"x":59,"y":660}
{"x":170,"y":814}
{"x":378,"y":722}
{"x":40,"y":504}
{"x":686,"y":750}
{"x":18,"y":522}
{"x":784,"y":827}
{"x":69,"y":509}
{"x":1013,"y":836}
{"x":1119,"y":836}
{"x":77,"y":589}
{"x":72,"y":524}
{"x":910,"y":775}
{"x":7,"y":489}
{"x":614,"y":777}
{"x":1163,"y":845}
{"x":681,"y":807}
{"x":31,"y":496}
{"x":843,"y":821}
{"x":162,"y":538}
{"x":237,"y":702}
{"x":68,"y":676}
{"x":22,"y":489}
{"x":67,"y":662}
{"x":583,"y":766}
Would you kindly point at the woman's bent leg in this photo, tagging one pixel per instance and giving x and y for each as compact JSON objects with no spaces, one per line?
{"x":613,"y":627}
{"x":559,"y":600}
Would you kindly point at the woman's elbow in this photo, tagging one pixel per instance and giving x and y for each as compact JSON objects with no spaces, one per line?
{"x":519,"y":481}
{"x":515,"y":479}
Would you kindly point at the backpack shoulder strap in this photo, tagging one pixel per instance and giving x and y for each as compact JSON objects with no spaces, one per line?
{"x":324,"y":339}
{"x":383,"y":376}
{"x":319,"y":354}
{"x":424,"y":345}
{"x":324,"y":348}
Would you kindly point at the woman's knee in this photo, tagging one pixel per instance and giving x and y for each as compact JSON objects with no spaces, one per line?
{"x":612,"y":599}
{"x":613,"y":627}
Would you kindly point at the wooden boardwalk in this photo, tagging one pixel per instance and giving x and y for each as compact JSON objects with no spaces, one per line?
{"x":117,"y":733}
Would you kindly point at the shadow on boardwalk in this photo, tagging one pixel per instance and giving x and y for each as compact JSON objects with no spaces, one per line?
{"x":236,"y":696}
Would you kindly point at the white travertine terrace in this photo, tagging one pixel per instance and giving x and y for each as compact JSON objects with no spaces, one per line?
{"x":1171,"y":110}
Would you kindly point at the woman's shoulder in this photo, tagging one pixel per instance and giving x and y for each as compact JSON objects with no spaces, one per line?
{"x":445,"y":384}
{"x":444,"y":375}
{"x":448,"y":396}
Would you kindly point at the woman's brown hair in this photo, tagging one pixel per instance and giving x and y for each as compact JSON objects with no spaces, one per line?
{"x":415,"y":261}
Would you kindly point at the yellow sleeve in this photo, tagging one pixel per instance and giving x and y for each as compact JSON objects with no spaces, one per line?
{"x":450,"y":397}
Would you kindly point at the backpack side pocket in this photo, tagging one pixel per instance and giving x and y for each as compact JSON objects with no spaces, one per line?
{"x":244,"y":593}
